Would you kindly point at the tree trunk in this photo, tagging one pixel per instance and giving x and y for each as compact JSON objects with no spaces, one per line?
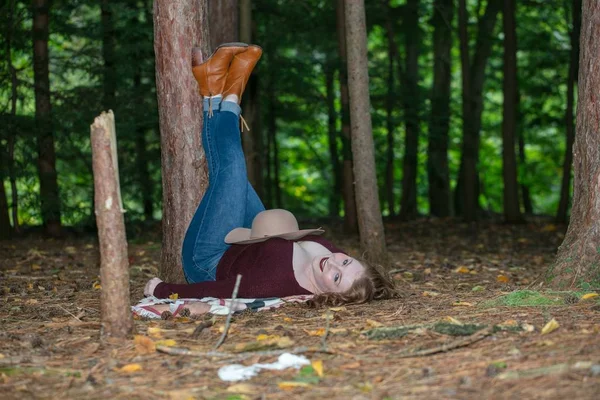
{"x":5,"y":230}
{"x":335,"y":194}
{"x":141,"y":152}
{"x":178,"y":27}
{"x":370,"y":224}
{"x":412,"y":107}
{"x":512,"y":211}
{"x":437,"y":161}
{"x":115,"y":305}
{"x":12,"y":131}
{"x":473,"y":77}
{"x":350,"y":212}
{"x":390,"y":101}
{"x":223,"y":22}
{"x":565,"y":189}
{"x":525,"y":193}
{"x":108,"y":53}
{"x":578,"y":260}
{"x":43,"y":115}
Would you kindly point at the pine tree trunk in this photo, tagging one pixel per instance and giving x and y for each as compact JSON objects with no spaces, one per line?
{"x":117,"y":320}
{"x":412,"y":108}
{"x":334,"y":196}
{"x":370,"y":223}
{"x":525,"y":193}
{"x":473,"y":77}
{"x":223,"y":20}
{"x":437,"y":161}
{"x":390,"y":101}
{"x":108,"y":53}
{"x":512,"y":211}
{"x":350,"y":212}
{"x":565,"y":189}
{"x":12,"y":131}
{"x":178,"y":27}
{"x":578,"y":260}
{"x":43,"y":115}
{"x":5,"y":229}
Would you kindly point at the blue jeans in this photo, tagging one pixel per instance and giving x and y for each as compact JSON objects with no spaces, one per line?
{"x":229,"y":201}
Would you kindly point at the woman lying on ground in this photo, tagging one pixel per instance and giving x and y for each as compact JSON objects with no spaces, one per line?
{"x":231,"y":232}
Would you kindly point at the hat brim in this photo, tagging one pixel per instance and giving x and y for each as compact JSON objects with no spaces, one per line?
{"x":242,"y":235}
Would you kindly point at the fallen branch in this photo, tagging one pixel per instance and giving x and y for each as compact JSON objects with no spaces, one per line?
{"x":477,"y":336}
{"x":544,"y":371}
{"x":228,"y":320}
{"x":200,"y":328}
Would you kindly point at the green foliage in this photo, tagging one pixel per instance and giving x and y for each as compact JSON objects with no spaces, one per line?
{"x":530,"y":298}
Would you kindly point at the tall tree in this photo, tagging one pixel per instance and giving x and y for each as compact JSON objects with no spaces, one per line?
{"x":223,"y":22}
{"x":578,"y":260}
{"x":512,"y":211}
{"x":108,"y":53}
{"x":370,"y":223}
{"x":412,"y":108}
{"x":178,"y":27}
{"x":565,"y":189}
{"x":473,"y":77}
{"x":350,"y":212}
{"x":50,"y":199}
{"x":335,"y":194}
{"x":437,"y":161}
{"x":390,"y":102}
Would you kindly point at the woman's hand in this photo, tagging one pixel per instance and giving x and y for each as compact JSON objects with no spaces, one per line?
{"x":150,"y":286}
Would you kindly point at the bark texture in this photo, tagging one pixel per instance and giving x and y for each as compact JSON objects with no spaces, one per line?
{"x":117,"y":320}
{"x":43,"y":116}
{"x":437,"y":161}
{"x":179,"y":26}
{"x":512,"y":211}
{"x":5,"y":229}
{"x":370,"y":223}
{"x":335,"y":194}
{"x":578,"y":259}
{"x":223,"y":19}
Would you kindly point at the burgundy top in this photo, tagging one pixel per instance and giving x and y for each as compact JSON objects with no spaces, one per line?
{"x":266,"y":269}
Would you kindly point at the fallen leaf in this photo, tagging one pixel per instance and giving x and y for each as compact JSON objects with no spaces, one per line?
{"x":353,"y":365}
{"x":589,"y":296}
{"x":478,"y":288}
{"x":35,"y":267}
{"x":336,"y":309}
{"x":373,"y":324}
{"x":462,"y":304}
{"x":452,"y":320}
{"x":70,"y":250}
{"x":318,"y":367}
{"x":143,"y":344}
{"x":462,"y":270}
{"x":551,"y":326}
{"x":155,"y":331}
{"x":287,"y":319}
{"x":288,"y":385}
{"x":262,"y":336}
{"x":166,"y":342}
{"x":427,"y":271}
{"x":174,"y":296}
{"x":129,"y":368}
{"x":523,"y":240}
{"x":408,"y":275}
{"x":502,"y":278}
{"x":96,"y":285}
{"x":430,"y":294}
{"x":316,"y":332}
{"x":244,"y":388}
{"x":549,"y":228}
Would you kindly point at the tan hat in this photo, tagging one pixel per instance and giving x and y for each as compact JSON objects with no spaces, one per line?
{"x":270,"y":224}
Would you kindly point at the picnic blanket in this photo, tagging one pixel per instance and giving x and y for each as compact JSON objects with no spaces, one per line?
{"x":217,"y":306}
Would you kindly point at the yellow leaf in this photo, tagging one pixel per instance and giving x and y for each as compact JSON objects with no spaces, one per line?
{"x":244,"y":388}
{"x":427,"y":271}
{"x":336,"y":309}
{"x":473,"y":272}
{"x":155,"y":331}
{"x":502,"y":278}
{"x":452,"y":320}
{"x":317,"y":332}
{"x":166,"y":342}
{"x":30,"y":286}
{"x":462,"y":270}
{"x":96,"y":286}
{"x":143,"y":344}
{"x":292,"y":385}
{"x":287,"y":319}
{"x":523,"y":240}
{"x":318,"y":367}
{"x":551,"y":326}
{"x":174,"y":296}
{"x":262,"y":336}
{"x":31,"y":301}
{"x":430,"y":294}
{"x":35,"y":267}
{"x":373,"y":324}
{"x":71,"y":250}
{"x":408,"y":275}
{"x":462,"y":304}
{"x":549,"y":228}
{"x":589,"y":296}
{"x":129,"y":368}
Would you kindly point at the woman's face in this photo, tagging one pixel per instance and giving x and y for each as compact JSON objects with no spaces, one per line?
{"x":336,"y":272}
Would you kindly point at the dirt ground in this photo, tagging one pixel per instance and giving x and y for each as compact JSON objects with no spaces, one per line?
{"x":452,"y":280}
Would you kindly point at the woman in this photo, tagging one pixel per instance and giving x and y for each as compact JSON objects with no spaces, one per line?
{"x":231,"y":232}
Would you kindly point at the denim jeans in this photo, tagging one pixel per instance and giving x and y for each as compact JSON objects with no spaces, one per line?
{"x":229,"y":201}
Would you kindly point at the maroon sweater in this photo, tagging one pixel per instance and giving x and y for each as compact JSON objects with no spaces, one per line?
{"x":266,"y":270}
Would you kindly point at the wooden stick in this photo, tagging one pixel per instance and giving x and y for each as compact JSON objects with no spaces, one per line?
{"x":180,"y":351}
{"x":228,"y":320}
{"x":477,"y":336}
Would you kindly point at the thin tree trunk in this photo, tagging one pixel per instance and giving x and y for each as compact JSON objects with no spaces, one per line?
{"x":437,"y":161}
{"x":578,"y":261}
{"x":12,"y":132}
{"x":389,"y":123}
{"x":350,"y":212}
{"x":5,"y":229}
{"x":108,"y":53}
{"x":334,"y":196}
{"x":178,"y":27}
{"x":49,"y":194}
{"x":370,"y":223}
{"x":525,"y":193}
{"x":412,"y":108}
{"x":565,"y":189}
{"x":115,"y":306}
{"x":270,"y":161}
{"x":512,"y":211}
{"x":223,"y":21}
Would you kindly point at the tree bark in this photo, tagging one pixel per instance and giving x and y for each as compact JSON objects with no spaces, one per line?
{"x":335,"y":194}
{"x":223,"y":21}
{"x":437,"y":161}
{"x":512,"y":211}
{"x":12,"y":131}
{"x":565,"y":189}
{"x":350,"y":212}
{"x":370,"y":223}
{"x":178,"y":27}
{"x":5,"y":229}
{"x":578,"y":260}
{"x":115,"y":305}
{"x":390,"y":101}
{"x":108,"y":53}
{"x":525,"y":192}
{"x":412,"y":108}
{"x":473,"y":78}
{"x":50,"y":200}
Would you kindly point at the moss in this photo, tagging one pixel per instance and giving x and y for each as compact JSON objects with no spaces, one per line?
{"x":456,"y":330}
{"x":530,"y":298}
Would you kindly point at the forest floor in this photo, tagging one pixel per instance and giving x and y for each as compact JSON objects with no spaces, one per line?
{"x":467,"y":326}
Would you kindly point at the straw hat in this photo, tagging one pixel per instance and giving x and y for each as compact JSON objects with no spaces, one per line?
{"x":275,"y":223}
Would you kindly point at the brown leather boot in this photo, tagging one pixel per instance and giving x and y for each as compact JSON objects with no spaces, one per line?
{"x":211,"y":74}
{"x":240,"y":69}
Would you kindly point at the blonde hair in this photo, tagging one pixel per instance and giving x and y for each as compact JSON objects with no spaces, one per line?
{"x":373,"y":285}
